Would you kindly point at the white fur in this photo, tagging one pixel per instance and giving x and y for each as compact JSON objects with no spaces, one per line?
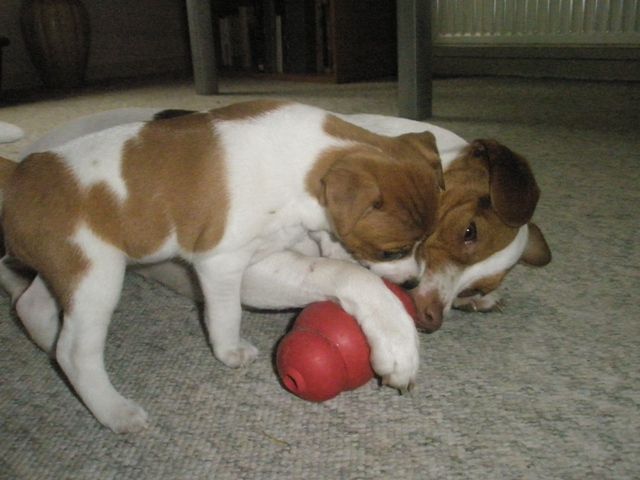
{"x":270,"y":196}
{"x":38,"y":311}
{"x":96,"y":158}
{"x":399,"y":270}
{"x":80,"y":347}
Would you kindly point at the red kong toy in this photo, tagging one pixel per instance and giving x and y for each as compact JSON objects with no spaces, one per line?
{"x":326,"y":352}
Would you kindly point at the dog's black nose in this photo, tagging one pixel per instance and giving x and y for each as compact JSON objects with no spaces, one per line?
{"x":411,"y":284}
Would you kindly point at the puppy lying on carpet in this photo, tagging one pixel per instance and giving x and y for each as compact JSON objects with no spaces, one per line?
{"x":254,"y":186}
{"x":483,"y":228}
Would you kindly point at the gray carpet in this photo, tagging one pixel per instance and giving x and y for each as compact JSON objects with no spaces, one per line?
{"x":548,"y":389}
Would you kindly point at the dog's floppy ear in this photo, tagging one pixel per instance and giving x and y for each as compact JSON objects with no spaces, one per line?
{"x":348,"y":193}
{"x":513,"y":188}
{"x":537,"y":253}
{"x":425,"y":143}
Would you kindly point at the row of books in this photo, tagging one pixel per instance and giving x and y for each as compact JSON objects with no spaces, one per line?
{"x":237,"y":47}
{"x":275,"y":36}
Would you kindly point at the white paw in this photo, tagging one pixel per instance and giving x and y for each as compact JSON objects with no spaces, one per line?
{"x":390,"y":331}
{"x":395,"y":358}
{"x":243,"y":354}
{"x":125,"y":416}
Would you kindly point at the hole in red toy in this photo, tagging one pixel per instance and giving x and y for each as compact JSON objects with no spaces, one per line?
{"x":293,"y":381}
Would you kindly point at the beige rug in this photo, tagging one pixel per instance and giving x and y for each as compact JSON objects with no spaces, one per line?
{"x":549,"y":389}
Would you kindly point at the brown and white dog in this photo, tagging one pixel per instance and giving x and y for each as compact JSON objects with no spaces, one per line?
{"x":256,"y":186}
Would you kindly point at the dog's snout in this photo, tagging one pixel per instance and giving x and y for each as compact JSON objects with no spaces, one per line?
{"x":411,"y":283}
{"x":430,"y":319}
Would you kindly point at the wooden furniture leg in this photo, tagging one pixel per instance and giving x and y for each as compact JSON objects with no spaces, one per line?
{"x":414,"y":59}
{"x":203,"y":52}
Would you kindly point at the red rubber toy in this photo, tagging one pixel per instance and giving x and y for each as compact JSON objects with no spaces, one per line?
{"x":326,"y":352}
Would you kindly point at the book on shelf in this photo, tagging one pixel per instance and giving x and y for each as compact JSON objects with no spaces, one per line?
{"x":336,"y":40}
{"x":273,"y":36}
{"x":299,"y":36}
{"x":236,"y":33}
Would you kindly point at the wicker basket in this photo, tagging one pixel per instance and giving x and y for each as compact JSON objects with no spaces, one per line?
{"x":57,"y":35}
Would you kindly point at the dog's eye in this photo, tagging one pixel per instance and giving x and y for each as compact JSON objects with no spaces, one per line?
{"x":390,"y":255}
{"x":471,"y":233}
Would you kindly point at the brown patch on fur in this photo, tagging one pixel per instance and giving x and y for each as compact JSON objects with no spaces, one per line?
{"x":417,"y":147}
{"x":537,"y":252}
{"x":349,"y":193}
{"x":484,"y":285}
{"x":381,"y":192}
{"x":175,"y":178}
{"x":38,"y":220}
{"x":7,"y":167}
{"x":463,"y":202}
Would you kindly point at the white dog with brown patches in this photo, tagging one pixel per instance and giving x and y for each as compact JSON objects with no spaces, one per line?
{"x":226,"y":191}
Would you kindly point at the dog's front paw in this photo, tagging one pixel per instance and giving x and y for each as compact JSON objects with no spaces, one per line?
{"x":490,"y":302}
{"x":243,"y":354}
{"x":125,"y":416}
{"x":395,"y":358}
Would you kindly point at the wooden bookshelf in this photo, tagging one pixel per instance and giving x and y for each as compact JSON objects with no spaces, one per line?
{"x":306,"y":40}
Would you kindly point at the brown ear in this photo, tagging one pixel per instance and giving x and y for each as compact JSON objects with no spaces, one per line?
{"x":425,"y":143}
{"x":537,"y":253}
{"x":514,"y":191}
{"x":348,"y":195}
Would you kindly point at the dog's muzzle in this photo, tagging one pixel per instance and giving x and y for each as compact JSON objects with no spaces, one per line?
{"x":430,"y":318}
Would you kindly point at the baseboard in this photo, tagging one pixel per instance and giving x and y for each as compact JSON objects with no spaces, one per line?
{"x":585,"y":63}
{"x":143,"y":67}
{"x":28,"y":79}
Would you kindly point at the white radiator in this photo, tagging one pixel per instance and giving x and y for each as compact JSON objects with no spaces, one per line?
{"x":509,"y":22}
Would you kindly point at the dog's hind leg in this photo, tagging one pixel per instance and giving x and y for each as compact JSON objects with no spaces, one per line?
{"x":38,"y":311}
{"x":80,"y":348}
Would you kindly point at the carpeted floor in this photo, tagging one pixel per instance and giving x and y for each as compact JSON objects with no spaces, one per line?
{"x":548,"y":389}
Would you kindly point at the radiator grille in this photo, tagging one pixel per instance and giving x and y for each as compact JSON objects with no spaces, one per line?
{"x":537,"y":21}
